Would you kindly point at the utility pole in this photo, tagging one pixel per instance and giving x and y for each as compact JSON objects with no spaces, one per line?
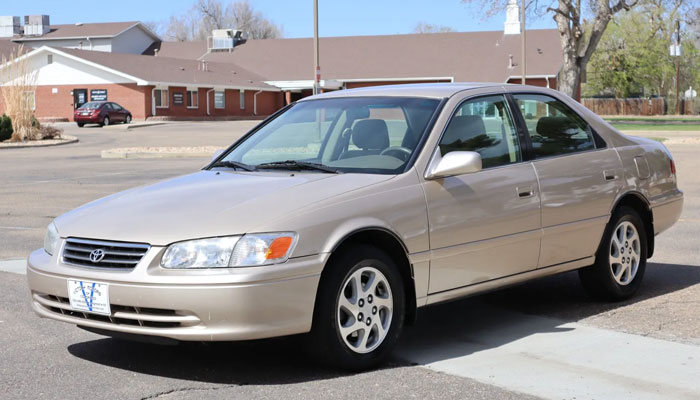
{"x":317,"y":67}
{"x":678,"y":67}
{"x":522,"y":39}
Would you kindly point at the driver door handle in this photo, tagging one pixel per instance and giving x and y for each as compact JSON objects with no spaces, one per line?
{"x":525,"y":191}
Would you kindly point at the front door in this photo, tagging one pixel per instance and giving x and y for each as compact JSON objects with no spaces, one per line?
{"x":579,"y":178}
{"x":484,"y":225}
{"x":79,"y":97}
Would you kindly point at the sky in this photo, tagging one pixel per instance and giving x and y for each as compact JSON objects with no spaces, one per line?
{"x":336,"y":17}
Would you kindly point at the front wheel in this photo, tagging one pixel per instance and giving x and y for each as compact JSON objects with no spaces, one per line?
{"x":359,"y":309}
{"x":621,"y":259}
{"x":127,"y":120}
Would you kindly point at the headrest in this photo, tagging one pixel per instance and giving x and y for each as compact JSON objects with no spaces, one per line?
{"x":370,"y":134}
{"x":464,"y":127}
{"x":555,"y":127}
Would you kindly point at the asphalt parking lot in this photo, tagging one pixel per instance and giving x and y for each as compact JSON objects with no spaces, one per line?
{"x":543,"y":339}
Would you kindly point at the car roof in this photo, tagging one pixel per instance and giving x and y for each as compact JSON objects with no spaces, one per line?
{"x":434,"y":90}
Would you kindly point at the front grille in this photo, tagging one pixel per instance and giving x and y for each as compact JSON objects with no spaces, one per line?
{"x":119,"y":255}
{"x":121,"y":315}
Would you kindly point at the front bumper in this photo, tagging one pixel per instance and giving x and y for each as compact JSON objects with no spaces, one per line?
{"x":232,"y":304}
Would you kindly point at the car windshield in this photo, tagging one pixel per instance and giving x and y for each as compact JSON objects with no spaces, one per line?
{"x":355,"y":134}
{"x":91,"y":105}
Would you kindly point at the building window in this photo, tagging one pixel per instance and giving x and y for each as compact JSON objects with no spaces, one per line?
{"x":30,"y":100}
{"x":192,"y":99}
{"x":49,"y":59}
{"x":242,"y":93}
{"x":161,"y":98}
{"x":219,"y":99}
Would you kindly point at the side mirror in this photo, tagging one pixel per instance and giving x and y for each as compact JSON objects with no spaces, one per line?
{"x":454,"y":163}
{"x":216,"y":154}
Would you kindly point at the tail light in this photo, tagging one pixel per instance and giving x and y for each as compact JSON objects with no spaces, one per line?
{"x":673,"y":168}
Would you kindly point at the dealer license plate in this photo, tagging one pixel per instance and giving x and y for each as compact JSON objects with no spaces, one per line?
{"x":89,"y":296}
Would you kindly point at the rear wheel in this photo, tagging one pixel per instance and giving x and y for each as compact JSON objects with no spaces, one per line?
{"x":621,"y":259}
{"x":359,"y":309}
{"x":105,"y":122}
{"x":80,"y":124}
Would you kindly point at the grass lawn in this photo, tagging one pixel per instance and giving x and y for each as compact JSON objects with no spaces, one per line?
{"x":665,"y":127}
{"x":656,"y":118}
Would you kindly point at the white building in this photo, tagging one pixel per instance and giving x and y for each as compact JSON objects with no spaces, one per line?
{"x":116,"y":37}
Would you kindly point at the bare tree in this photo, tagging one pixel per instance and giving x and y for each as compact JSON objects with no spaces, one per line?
{"x":241,"y":15}
{"x":182,"y":28}
{"x":424,"y":27}
{"x":207,"y":15}
{"x":578,"y":37}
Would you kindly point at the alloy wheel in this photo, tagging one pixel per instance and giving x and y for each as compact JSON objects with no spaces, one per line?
{"x":625,"y":253}
{"x":364,"y":309}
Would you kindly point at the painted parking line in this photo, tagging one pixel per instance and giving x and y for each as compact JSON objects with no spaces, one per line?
{"x":551,"y":359}
{"x":14,"y":266}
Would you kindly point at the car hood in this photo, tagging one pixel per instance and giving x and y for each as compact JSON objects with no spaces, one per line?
{"x":205,"y":204}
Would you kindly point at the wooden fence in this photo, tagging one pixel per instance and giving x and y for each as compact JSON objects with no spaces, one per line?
{"x":656,"y":106}
{"x":625,"y":106}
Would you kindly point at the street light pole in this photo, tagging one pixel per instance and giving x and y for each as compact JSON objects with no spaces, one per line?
{"x":522,"y":39}
{"x":317,"y":67}
{"x":678,"y":68}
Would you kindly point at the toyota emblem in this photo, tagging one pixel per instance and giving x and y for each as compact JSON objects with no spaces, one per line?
{"x":97,"y":255}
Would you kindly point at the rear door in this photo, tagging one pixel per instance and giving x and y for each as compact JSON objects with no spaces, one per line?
{"x":483,"y":225}
{"x":579,"y":177}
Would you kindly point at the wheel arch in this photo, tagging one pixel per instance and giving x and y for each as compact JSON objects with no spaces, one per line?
{"x":390,"y":242}
{"x":639,"y":203}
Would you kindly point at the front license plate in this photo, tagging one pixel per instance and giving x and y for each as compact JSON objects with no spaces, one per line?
{"x":89,"y":296}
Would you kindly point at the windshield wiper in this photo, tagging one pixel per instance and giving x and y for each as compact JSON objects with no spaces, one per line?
{"x":233,"y":164}
{"x":299,"y":165}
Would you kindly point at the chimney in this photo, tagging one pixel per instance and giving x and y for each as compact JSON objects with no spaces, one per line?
{"x":512,"y":24}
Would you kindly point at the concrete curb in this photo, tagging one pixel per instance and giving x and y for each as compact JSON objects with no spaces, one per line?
{"x":141,"y":155}
{"x":69,"y":140}
{"x":14,"y":266}
{"x":144,"y":125}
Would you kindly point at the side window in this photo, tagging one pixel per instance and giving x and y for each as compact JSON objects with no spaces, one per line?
{"x":553,"y":127}
{"x":484,"y":125}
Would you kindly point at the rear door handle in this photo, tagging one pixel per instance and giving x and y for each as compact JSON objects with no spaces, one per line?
{"x":525,"y":191}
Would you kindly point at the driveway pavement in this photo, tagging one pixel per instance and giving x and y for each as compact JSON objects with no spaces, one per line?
{"x":544,"y":339}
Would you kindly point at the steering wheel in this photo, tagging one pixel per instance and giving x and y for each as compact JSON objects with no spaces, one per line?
{"x":403,"y":152}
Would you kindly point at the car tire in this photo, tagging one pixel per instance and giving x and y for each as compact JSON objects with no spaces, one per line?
{"x":105,"y":122}
{"x":127,"y":120}
{"x":80,"y":124}
{"x":360,"y":308}
{"x":621,"y":258}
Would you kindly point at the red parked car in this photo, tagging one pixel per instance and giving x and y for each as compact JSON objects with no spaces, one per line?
{"x":102,"y":113}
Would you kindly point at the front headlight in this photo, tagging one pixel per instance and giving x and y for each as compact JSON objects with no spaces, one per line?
{"x":231,"y":251}
{"x":51,"y":239}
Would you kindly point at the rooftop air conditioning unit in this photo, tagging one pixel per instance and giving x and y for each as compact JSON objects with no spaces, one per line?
{"x":36,"y":25}
{"x":227,"y":39}
{"x":9,"y":26}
